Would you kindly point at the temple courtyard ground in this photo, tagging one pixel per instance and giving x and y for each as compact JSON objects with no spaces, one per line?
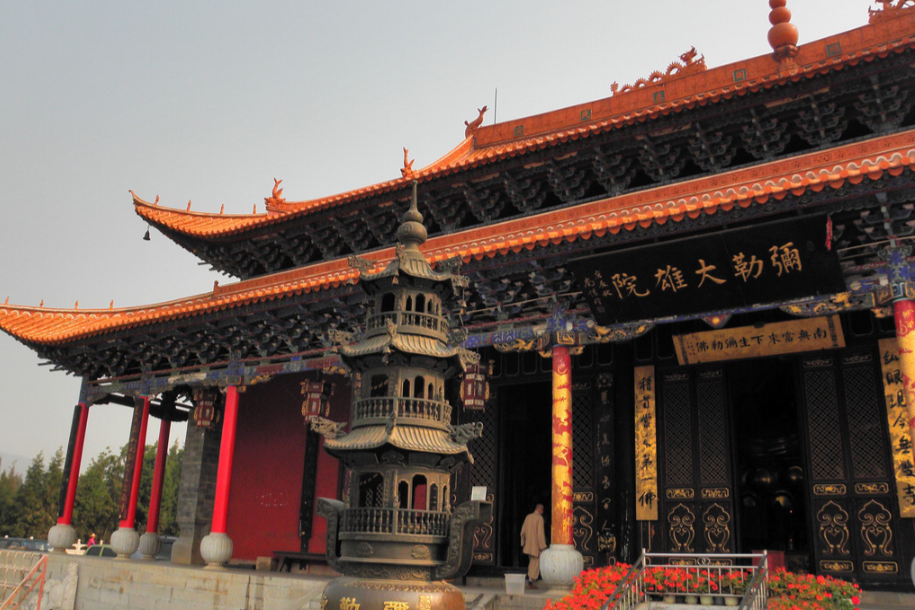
{"x":96,"y":583}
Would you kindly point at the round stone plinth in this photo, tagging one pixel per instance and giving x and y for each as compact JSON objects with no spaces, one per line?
{"x":559,"y":565}
{"x":216,"y":549}
{"x":377,"y":594}
{"x":150,"y":544}
{"x":125,"y":542}
{"x":61,"y":536}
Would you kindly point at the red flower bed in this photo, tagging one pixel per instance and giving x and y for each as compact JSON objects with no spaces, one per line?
{"x":787,"y":590}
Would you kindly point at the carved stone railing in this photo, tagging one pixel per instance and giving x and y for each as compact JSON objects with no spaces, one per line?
{"x":402,"y":522}
{"x":416,"y":408}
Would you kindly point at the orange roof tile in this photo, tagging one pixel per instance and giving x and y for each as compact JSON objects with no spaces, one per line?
{"x":871,"y":159}
{"x":504,"y":140}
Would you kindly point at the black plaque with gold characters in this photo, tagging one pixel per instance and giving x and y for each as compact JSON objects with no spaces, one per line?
{"x":788,"y":259}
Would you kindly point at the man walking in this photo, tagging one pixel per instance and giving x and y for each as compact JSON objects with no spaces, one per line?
{"x":533,"y":541}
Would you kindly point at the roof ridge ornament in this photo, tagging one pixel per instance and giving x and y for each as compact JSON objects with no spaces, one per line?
{"x":276,"y":197}
{"x":890,"y":9}
{"x":407,"y":170}
{"x":688,"y":64}
{"x":783,"y":34}
{"x":473,"y":125}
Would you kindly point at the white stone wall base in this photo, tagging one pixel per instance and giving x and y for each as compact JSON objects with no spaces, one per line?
{"x":216,"y":549}
{"x":61,"y":536}
{"x":150,"y":544}
{"x":559,"y":565}
{"x":125,"y":542}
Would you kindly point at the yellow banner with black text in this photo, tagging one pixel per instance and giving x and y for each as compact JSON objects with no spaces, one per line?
{"x":808,"y":335}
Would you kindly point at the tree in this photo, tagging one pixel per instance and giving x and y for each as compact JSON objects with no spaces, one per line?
{"x":10,"y":482}
{"x":36,"y":498}
{"x":98,"y":497}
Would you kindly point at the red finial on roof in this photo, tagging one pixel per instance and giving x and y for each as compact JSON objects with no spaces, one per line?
{"x":188,"y":205}
{"x":7,"y":302}
{"x":111,"y":305}
{"x":42,"y":303}
{"x":254,"y":210}
{"x":222,"y":208}
{"x":76,"y":305}
{"x":783,"y":34}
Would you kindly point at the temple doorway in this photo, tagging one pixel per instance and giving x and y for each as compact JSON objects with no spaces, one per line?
{"x":526,"y":459}
{"x":771,"y":466}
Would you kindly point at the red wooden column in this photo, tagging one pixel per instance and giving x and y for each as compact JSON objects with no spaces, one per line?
{"x":561,"y":524}
{"x":561,"y":563}
{"x":125,"y":541}
{"x":63,"y":534}
{"x":216,"y":547}
{"x":130,"y":519}
{"x":155,"y":496}
{"x":150,"y":543}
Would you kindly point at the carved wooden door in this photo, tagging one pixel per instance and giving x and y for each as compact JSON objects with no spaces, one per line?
{"x":855,"y":521}
{"x":695,"y":474}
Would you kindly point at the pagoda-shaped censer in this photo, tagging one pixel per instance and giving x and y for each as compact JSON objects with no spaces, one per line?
{"x":397,"y":538}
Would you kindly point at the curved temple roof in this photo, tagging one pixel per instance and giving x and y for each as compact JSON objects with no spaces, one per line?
{"x":687,"y":87}
{"x":869,"y":159}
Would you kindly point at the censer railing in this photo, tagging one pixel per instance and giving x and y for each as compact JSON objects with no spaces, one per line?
{"x":407,"y":318}
{"x":416,"y":408}
{"x":662,"y":576}
{"x":394,"y":521}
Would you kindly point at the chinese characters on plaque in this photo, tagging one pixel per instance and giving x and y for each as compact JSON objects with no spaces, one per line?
{"x":807,"y":335}
{"x":646,"y":446}
{"x":903,"y":464}
{"x":725,"y":270}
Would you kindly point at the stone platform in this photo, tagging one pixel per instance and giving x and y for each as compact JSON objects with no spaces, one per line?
{"x":97,"y":583}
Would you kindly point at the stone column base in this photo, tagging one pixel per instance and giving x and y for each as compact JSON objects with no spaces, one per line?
{"x":559,"y":565}
{"x":150,"y":544}
{"x":125,"y":542}
{"x":61,"y":536}
{"x":216,"y":549}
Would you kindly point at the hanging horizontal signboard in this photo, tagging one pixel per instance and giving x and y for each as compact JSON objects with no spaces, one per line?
{"x":772,"y":262}
{"x":807,"y":335}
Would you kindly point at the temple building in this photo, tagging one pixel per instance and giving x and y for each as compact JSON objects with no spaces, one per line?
{"x":693,"y":304}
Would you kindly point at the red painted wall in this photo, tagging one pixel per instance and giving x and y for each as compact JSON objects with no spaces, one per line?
{"x":266,"y":488}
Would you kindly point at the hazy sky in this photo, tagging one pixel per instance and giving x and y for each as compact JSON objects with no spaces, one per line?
{"x":209,"y":101}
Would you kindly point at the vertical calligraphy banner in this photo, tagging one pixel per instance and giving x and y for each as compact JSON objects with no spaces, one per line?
{"x":903,"y":463}
{"x":646,"y":445}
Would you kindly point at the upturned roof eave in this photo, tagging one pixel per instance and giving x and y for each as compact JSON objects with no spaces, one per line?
{"x":772,"y":181}
{"x":492,"y":143}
